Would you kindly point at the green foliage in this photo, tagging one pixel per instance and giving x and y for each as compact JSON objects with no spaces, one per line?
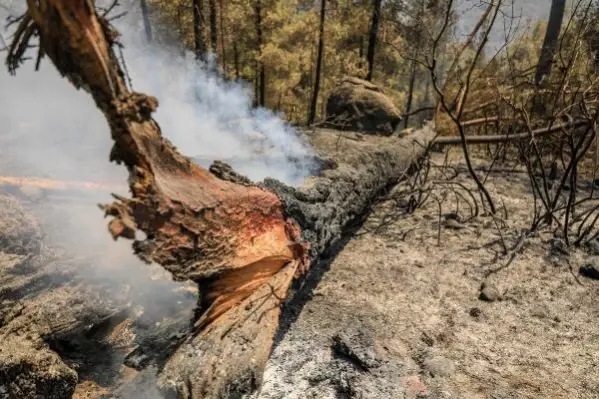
{"x":290,"y":35}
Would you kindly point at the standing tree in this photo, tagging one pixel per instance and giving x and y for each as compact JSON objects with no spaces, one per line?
{"x":415,"y":30}
{"x":241,"y":243}
{"x":198,"y":27}
{"x":372,"y":36}
{"x":410,"y":99}
{"x":236,"y":60}
{"x":146,"y":19}
{"x":260,"y":73}
{"x":222,"y":37}
{"x":319,"y":57}
{"x":554,"y":26}
{"x":213,"y":35}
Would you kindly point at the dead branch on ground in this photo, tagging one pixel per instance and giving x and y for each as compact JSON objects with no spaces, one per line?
{"x":243,"y":244}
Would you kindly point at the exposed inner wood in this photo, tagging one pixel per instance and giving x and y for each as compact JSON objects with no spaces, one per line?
{"x":241,"y":243}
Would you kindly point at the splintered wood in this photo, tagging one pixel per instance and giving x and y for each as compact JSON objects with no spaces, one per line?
{"x":231,"y":239}
{"x":242,"y":244}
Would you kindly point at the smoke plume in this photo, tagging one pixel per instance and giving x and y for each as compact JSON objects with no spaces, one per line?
{"x":50,"y":129}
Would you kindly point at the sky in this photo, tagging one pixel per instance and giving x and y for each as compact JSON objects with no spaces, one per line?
{"x":525,"y":11}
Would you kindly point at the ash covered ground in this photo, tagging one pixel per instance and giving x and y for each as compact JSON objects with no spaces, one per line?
{"x":399,"y":312}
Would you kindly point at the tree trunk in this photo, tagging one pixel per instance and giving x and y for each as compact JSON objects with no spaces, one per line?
{"x":372,"y":36}
{"x":361,"y":48}
{"x":198,"y":30}
{"x":242,"y":244}
{"x":261,"y":99}
{"x":413,"y":69}
{"x":181,"y":32}
{"x":256,"y":84}
{"x":314,"y":102}
{"x":554,"y":26}
{"x":236,"y":59}
{"x":146,"y":19}
{"x":213,"y":27}
{"x":222,"y":38}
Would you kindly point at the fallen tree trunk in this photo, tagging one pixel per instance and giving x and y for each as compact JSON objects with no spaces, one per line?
{"x":500,"y":138}
{"x":243,"y":244}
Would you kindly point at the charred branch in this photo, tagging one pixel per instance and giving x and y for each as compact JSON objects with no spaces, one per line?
{"x":241,"y":243}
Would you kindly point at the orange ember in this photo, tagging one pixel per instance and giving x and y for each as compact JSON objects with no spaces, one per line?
{"x":51,"y":184}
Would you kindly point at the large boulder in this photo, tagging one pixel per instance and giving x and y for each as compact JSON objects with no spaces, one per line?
{"x":361,"y":106}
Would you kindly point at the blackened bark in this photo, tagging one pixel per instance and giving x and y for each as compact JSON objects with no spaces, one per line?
{"x":242,"y":244}
{"x":146,"y":18}
{"x":236,"y":59}
{"x":261,"y":98}
{"x":213,"y":27}
{"x":554,"y":27}
{"x":413,"y":70}
{"x":372,"y":36}
{"x":222,"y":37}
{"x":198,"y":30}
{"x":361,"y":48}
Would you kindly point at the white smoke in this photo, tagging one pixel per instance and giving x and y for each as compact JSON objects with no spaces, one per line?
{"x":209,"y":118}
{"x":50,"y":129}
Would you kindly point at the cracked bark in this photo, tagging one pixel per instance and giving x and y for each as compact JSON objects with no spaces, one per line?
{"x":243,"y":244}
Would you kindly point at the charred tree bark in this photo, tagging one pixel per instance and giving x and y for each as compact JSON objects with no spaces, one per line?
{"x":236,"y":60}
{"x":241,"y":243}
{"x":146,"y":18}
{"x":373,"y":36}
{"x":198,"y":30}
{"x":213,"y":30}
{"x":361,"y":48}
{"x":413,"y":69}
{"x":556,"y":16}
{"x":260,"y":73}
{"x":222,"y":37}
{"x":314,"y":102}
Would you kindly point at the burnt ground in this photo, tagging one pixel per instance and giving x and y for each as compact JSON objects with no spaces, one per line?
{"x":399,"y":313}
{"x":396,"y":313}
{"x":74,"y":308}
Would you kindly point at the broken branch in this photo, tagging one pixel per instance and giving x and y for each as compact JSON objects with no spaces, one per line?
{"x":241,"y":243}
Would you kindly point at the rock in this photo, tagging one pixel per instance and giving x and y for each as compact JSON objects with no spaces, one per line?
{"x":452,"y":221}
{"x":357,"y":347}
{"x":489,"y":293}
{"x":590,"y":270}
{"x":592,"y":247}
{"x":475,"y":312}
{"x":453,"y":224}
{"x":359,"y":105}
{"x":438,"y":366}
